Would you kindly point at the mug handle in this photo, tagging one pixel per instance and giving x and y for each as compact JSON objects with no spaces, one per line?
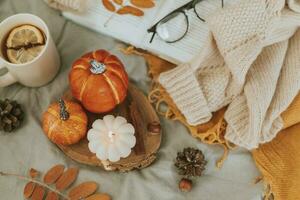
{"x":6,"y":79}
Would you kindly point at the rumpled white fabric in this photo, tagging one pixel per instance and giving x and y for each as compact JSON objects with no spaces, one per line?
{"x":251,"y":62}
{"x":75,"y":5}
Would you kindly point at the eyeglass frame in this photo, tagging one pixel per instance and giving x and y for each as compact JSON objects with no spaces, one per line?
{"x":190,"y":5}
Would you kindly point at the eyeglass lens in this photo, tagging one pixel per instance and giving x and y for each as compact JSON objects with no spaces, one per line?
{"x":176,"y":25}
{"x":173,"y":27}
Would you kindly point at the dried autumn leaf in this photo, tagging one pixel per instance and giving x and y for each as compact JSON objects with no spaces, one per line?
{"x":53,"y":174}
{"x":83,"y":190}
{"x":33,"y":173}
{"x":52,"y":196}
{"x":130,"y":10}
{"x":99,"y":197}
{"x":143,"y":3}
{"x":38,"y":193}
{"x":119,"y":2}
{"x":67,"y":178}
{"x":28,"y":189}
{"x":108,"y":5}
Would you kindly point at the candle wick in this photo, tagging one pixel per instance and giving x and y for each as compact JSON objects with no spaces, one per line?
{"x":111,"y":136}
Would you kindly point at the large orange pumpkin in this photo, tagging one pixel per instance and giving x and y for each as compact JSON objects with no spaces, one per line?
{"x":65,"y":122}
{"x":98,"y":79}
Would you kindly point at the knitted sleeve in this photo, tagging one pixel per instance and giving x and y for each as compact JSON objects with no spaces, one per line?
{"x":183,"y":87}
{"x":198,"y":88}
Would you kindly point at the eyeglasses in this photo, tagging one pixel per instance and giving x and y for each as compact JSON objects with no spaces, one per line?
{"x":175,"y":25}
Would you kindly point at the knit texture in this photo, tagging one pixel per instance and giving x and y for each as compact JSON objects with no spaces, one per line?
{"x":251,"y":106}
{"x":279,"y":160}
{"x":183,"y":86}
{"x":246,"y":65}
{"x":294,"y":5}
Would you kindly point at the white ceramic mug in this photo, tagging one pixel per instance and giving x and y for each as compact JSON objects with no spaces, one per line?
{"x":42,"y":69}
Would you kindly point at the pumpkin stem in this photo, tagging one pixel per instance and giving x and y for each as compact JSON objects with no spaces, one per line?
{"x":64,"y":115}
{"x":97,"y":67}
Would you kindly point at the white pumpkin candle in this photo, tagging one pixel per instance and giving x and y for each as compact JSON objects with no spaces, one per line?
{"x":111,"y":138}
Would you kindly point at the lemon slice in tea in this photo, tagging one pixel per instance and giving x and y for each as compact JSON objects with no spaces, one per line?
{"x":24,"y":35}
{"x":24,"y":43}
{"x":23,"y":55}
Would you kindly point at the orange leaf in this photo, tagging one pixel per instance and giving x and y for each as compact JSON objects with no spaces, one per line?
{"x":67,"y":178}
{"x":53,"y":174}
{"x":83,"y":190}
{"x":99,"y":197}
{"x":108,"y":5}
{"x":52,"y":196}
{"x":28,"y":189}
{"x":119,"y":2}
{"x":143,"y":3}
{"x":130,"y":10}
{"x":38,"y":193}
{"x":33,"y":173}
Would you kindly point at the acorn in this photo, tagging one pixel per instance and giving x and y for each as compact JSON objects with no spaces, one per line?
{"x":154,"y":128}
{"x":185,"y":185}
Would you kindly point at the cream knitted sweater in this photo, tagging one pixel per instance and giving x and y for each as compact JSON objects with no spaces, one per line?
{"x":251,"y":62}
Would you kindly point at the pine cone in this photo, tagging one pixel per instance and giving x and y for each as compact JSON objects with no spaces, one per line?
{"x":190,"y":162}
{"x":11,"y":115}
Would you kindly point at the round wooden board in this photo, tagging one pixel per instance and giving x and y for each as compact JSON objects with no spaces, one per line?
{"x":148,"y":143}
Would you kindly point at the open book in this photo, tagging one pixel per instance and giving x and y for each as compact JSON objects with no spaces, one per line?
{"x":133,"y":30}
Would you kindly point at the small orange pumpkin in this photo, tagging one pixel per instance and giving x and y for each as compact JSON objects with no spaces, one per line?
{"x":99,"y":81}
{"x":65,"y":122}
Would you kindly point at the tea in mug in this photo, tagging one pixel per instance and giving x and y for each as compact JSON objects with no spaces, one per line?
{"x":23,"y":43}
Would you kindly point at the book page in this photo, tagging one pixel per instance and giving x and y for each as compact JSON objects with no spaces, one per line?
{"x":128,"y":28}
{"x":191,"y":45}
{"x":167,"y":8}
{"x":133,"y":30}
